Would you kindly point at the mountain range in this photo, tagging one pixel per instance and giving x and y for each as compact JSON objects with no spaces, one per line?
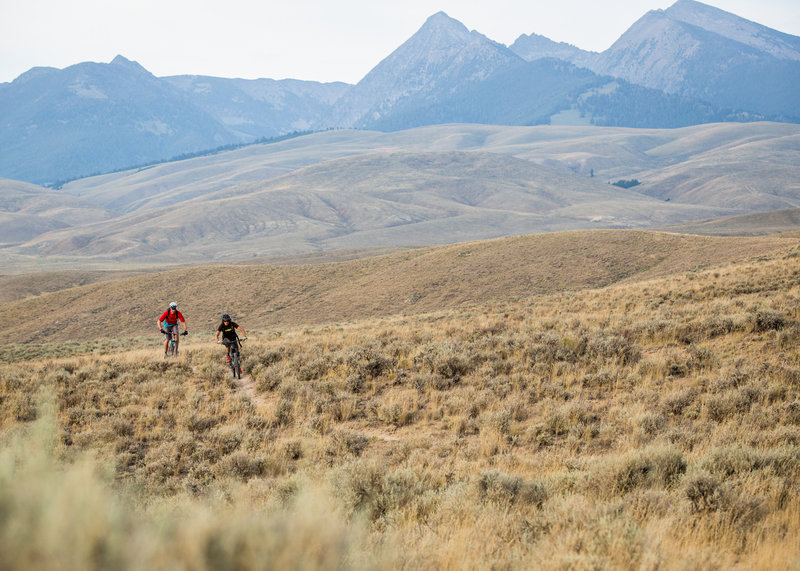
{"x":700,"y":52}
{"x":689,"y":64}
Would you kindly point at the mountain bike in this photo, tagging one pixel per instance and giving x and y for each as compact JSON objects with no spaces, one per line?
{"x":235,"y":355}
{"x":172,"y":347}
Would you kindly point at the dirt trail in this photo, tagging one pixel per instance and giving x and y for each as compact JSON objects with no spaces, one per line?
{"x":248,"y":387}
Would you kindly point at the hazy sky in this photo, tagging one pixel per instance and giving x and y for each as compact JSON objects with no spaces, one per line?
{"x":334,"y":40}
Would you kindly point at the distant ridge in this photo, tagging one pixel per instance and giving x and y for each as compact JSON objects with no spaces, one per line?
{"x":758,"y":224}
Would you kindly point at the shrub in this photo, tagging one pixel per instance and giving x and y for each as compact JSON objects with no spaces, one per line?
{"x":648,"y":468}
{"x":449,"y":359}
{"x":268,"y":379}
{"x":310,"y":369}
{"x":367,"y":362}
{"x":343,"y":443}
{"x":677,"y":402}
{"x":765,"y":320}
{"x":614,"y":347}
{"x":505,"y":490}
{"x":284,"y":412}
{"x":549,"y":347}
{"x":243,"y":466}
{"x":652,"y":423}
{"x":402,"y":413}
{"x":731,"y":403}
{"x":704,"y":491}
{"x":732,"y":460}
{"x":226,"y":439}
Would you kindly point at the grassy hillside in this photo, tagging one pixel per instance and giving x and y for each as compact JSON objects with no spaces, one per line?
{"x":26,"y":286}
{"x":408,"y":282}
{"x":758,"y":224}
{"x":433,"y":185}
{"x":645,"y":425}
{"x":27,"y":210}
{"x":612,"y":153}
{"x":388,"y":199}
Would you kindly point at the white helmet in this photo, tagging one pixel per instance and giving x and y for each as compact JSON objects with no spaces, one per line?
{"x":173,"y":305}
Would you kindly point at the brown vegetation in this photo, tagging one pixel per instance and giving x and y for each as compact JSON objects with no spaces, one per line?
{"x":409,"y":282}
{"x":647,"y":425}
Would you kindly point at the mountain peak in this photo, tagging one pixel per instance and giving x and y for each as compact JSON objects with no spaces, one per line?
{"x":122,"y":61}
{"x":34,"y":73}
{"x":736,"y":28}
{"x":442,"y":25}
{"x":441,"y":18}
{"x":533,"y":46}
{"x":441,"y":57}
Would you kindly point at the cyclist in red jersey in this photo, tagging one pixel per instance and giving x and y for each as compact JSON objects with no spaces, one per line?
{"x":168,"y":324}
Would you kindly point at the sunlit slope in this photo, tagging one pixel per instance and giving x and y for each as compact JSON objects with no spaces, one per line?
{"x":22,"y":286}
{"x":27,"y":210}
{"x":758,"y":224}
{"x":433,"y":185}
{"x":410,"y":282}
{"x":610,"y":153}
{"x":384,"y":199}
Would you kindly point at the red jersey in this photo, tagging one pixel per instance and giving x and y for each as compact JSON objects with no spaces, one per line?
{"x":171,"y":320}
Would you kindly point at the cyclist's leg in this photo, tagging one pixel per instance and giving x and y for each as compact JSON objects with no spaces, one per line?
{"x":172,"y":334}
{"x":166,"y":341}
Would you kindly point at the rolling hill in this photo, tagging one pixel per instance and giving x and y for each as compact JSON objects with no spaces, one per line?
{"x":416,"y":281}
{"x":27,"y":210}
{"x":609,"y":153}
{"x":389,"y":199}
{"x":759,"y":224}
{"x":431,"y":185}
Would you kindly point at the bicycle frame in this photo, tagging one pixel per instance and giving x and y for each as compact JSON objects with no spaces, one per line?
{"x":172,"y":344}
{"x":235,"y":354}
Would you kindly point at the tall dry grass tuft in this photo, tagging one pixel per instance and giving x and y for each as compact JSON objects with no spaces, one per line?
{"x":74,"y":517}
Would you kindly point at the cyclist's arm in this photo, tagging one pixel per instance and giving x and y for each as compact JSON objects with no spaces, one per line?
{"x":240,"y":328}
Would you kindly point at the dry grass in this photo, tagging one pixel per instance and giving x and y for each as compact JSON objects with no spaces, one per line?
{"x":411,"y":282}
{"x":650,"y":425}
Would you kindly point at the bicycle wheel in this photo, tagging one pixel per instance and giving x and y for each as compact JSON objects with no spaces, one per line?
{"x":235,"y":364}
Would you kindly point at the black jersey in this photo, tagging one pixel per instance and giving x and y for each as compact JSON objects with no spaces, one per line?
{"x":228,"y":331}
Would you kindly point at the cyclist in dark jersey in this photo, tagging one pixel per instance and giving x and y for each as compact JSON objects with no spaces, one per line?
{"x":168,"y":323}
{"x":228,"y":330}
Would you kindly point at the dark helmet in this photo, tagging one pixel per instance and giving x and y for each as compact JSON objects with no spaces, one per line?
{"x":226,"y":317}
